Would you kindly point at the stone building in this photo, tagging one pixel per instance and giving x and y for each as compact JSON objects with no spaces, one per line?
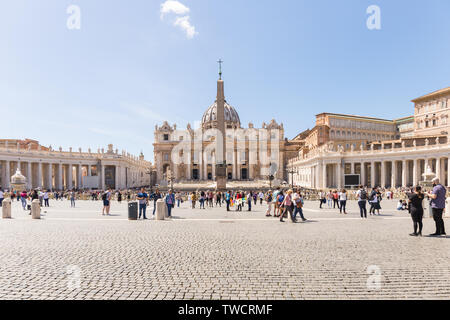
{"x":252,"y":154}
{"x":62,"y":170}
{"x":386,"y":153}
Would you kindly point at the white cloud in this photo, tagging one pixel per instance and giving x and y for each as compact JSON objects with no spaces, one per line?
{"x":173,"y":6}
{"x":182,"y":21}
{"x":185,"y":24}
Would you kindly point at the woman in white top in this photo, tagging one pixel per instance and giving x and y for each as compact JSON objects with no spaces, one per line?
{"x":343,"y":200}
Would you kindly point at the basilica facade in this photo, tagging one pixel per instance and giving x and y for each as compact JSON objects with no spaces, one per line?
{"x":252,"y":154}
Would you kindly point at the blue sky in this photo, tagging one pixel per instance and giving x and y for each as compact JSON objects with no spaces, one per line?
{"x":128,"y":67}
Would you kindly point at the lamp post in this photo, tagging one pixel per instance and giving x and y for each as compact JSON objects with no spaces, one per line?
{"x":291,"y":172}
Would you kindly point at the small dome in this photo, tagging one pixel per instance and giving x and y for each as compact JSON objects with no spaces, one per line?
{"x":231,"y":116}
{"x":18,"y":178}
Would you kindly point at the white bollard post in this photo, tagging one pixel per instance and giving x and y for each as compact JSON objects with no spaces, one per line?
{"x":6,"y":209}
{"x":35,"y":209}
{"x":160,"y":210}
{"x":166,"y":211}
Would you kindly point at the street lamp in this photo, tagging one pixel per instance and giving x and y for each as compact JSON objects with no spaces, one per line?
{"x":291,"y":172}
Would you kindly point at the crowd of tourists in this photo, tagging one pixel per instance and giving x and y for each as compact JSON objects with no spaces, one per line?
{"x":279,"y":203}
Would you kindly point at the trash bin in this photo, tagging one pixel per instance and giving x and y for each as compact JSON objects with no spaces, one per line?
{"x":132,"y":211}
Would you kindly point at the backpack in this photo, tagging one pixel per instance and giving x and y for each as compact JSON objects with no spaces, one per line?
{"x":104,"y":197}
{"x":363,"y":195}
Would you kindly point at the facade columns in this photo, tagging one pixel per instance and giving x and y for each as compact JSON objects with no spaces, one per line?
{"x":352,"y":168}
{"x":89,"y":170}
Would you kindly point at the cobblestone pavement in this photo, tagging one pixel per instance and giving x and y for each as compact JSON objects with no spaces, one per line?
{"x":76,"y":253}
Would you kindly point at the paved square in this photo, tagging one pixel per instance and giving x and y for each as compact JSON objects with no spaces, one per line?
{"x":211,"y":254}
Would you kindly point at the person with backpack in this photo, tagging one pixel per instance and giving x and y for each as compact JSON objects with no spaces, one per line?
{"x":279,"y":203}
{"x":170,"y":202}
{"x":288,"y":206}
{"x":142,"y":198}
{"x":298,"y":205}
{"x":269,"y":199}
{"x":362,"y":201}
{"x":105,"y":203}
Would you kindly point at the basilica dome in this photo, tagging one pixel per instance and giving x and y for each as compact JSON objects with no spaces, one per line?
{"x":231,"y":116}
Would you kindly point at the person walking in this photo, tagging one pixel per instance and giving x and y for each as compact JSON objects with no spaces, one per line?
{"x":362,"y":201}
{"x":178,"y":198}
{"x":287,"y":204}
{"x":142,"y":198}
{"x":437,"y":197}
{"x":193,"y":199}
{"x":322,"y":198}
{"x":202,"y":199}
{"x":46,"y":197}
{"x":228,"y":199}
{"x":72,"y":198}
{"x":23,"y":198}
{"x":416,"y":210}
{"x":155,"y":197}
{"x":249,"y":200}
{"x":298,"y":205}
{"x":269,"y":199}
{"x":170,"y":202}
{"x":335,"y":199}
{"x":261,"y":197}
{"x":343,"y":201}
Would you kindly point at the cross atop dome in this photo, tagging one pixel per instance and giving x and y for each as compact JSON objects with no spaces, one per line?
{"x":220,"y":68}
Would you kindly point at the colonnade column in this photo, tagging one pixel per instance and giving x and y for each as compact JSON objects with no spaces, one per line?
{"x":363,"y":174}
{"x":324,"y":176}
{"x":39,"y":176}
{"x":383,"y":174}
{"x":404,"y":173}
{"x":102,"y":177}
{"x":118,"y":176}
{"x":59,"y":182}
{"x":438,"y":169}
{"x":448,"y":172}
{"x":7,"y":173}
{"x":372,"y":174}
{"x":339,"y":175}
{"x":80,"y":177}
{"x":394,"y":174}
{"x":415,"y":172}
{"x":50,"y":176}
{"x":29,"y":176}
{"x":70,"y":176}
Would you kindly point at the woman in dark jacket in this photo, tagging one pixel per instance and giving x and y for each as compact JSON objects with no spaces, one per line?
{"x":416,"y":210}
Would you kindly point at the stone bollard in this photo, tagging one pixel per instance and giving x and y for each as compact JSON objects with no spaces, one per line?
{"x":35,"y":209}
{"x":160,"y":210}
{"x":166,"y":211}
{"x":6,"y":209}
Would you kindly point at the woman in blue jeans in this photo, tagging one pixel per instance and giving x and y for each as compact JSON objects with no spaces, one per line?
{"x":170,"y":202}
